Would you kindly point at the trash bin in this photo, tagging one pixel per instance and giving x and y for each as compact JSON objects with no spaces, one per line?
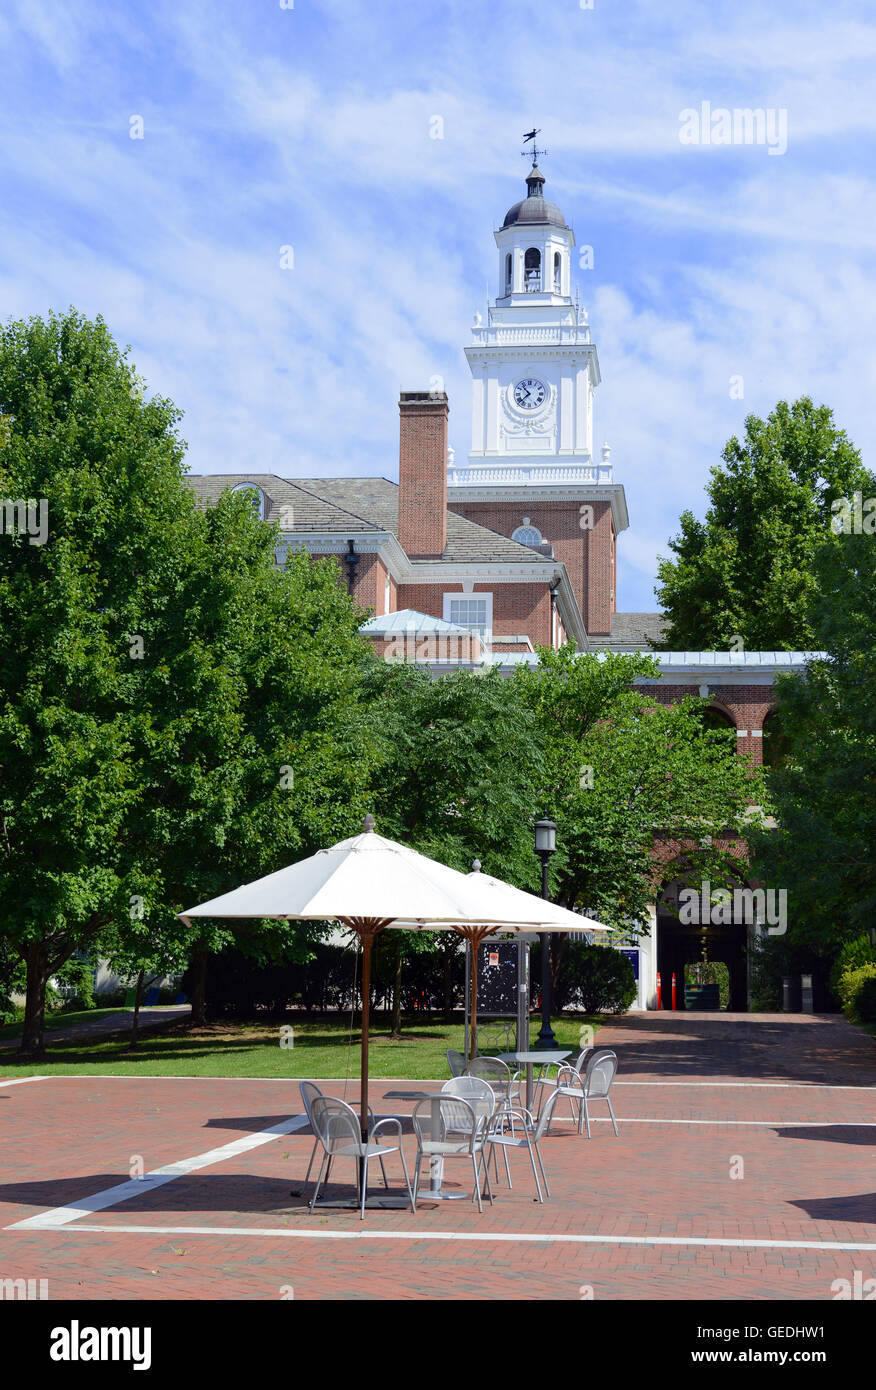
{"x":807,"y":998}
{"x":790,"y":994}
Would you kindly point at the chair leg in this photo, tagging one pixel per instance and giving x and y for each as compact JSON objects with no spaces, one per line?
{"x":318,"y":1182}
{"x":477,"y":1183}
{"x":611,"y":1113}
{"x":534,"y":1169}
{"x":364,"y":1184}
{"x":417,"y":1176}
{"x":541,"y":1166}
{"x":586,"y":1116}
{"x":383,"y":1171}
{"x":310,"y":1164}
{"x":401,"y":1154}
{"x":489,"y":1187}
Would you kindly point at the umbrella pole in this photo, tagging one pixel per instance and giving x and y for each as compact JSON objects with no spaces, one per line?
{"x":367,"y":938}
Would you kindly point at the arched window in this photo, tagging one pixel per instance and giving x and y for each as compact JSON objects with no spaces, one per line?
{"x":257,"y":496}
{"x":532,"y":270}
{"x":527,"y":534}
{"x":558,"y":273}
{"x":508,"y":273}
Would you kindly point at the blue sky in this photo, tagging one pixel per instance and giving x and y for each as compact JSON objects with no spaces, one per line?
{"x":309,"y":127}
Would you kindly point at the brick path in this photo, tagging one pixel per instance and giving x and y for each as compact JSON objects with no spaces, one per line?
{"x":806,"y":1151}
{"x":151,"y":1016}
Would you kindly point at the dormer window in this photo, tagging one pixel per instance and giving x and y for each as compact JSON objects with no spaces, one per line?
{"x":258,"y":500}
{"x":527,"y":534}
{"x":532,"y":271}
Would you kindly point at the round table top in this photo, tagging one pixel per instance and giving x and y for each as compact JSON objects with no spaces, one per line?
{"x":543,"y":1056}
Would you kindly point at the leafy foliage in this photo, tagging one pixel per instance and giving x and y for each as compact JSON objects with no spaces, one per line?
{"x":745,"y":576}
{"x":824,"y":850}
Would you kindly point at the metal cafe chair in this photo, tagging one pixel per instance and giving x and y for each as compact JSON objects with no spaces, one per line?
{"x":504,"y":1083}
{"x":481,"y":1096}
{"x":338,"y":1131}
{"x":532,"y":1133}
{"x":594,"y":1083}
{"x":547,"y":1083}
{"x":460,"y":1134}
{"x":309,"y":1091}
{"x":455,"y":1061}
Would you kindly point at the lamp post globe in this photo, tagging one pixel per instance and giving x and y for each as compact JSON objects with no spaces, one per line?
{"x":545,"y":845}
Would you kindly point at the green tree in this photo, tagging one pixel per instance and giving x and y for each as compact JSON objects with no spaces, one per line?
{"x":107,"y":466}
{"x":178,"y":714}
{"x":824,"y":849}
{"x":633,"y":785}
{"x":744,"y":577}
{"x":459,"y":771}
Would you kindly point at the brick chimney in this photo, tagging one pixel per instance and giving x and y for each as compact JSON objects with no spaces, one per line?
{"x":422,"y":473}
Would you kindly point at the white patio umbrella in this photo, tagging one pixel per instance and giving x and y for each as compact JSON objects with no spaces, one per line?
{"x":369,"y":883}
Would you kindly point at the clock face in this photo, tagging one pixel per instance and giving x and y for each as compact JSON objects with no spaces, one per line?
{"x":530,"y":393}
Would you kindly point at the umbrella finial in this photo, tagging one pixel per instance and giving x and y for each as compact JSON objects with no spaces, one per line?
{"x":475,"y":866}
{"x":368,"y":824}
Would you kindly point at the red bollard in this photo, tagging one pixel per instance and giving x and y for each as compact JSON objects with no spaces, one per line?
{"x":659,"y":994}
{"x":673,"y":991}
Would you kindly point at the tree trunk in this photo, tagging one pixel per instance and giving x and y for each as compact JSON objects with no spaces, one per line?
{"x":396,"y":998}
{"x":38,"y":973}
{"x":135,"y":1022}
{"x":199,"y":987}
{"x":448,"y":982}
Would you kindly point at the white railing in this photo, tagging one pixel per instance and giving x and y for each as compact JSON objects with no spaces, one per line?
{"x":523,"y":474}
{"x":572,"y":335}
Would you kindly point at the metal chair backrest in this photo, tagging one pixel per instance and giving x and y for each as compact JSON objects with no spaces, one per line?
{"x":456,"y":1062}
{"x":474,"y":1090}
{"x":492,"y":1070}
{"x":336,"y":1123}
{"x":544,"y":1118}
{"x":456,"y":1116}
{"x":601,"y":1067}
{"x":582,"y":1057}
{"x":309,"y":1091}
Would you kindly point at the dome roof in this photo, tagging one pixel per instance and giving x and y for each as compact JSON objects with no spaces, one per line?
{"x":534,"y":208}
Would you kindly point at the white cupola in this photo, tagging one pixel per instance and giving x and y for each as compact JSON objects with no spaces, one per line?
{"x":534,"y":247}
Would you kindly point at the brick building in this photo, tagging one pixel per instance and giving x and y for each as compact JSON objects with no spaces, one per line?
{"x":483,"y":561}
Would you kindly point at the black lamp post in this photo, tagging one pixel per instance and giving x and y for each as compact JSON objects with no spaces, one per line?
{"x":545,"y":844}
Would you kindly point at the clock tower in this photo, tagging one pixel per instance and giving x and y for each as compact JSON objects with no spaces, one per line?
{"x":535,"y":371}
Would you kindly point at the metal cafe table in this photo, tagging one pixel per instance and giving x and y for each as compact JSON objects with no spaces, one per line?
{"x":530,"y":1060}
{"x":436,"y":1162}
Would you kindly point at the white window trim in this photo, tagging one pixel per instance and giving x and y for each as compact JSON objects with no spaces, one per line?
{"x":447,"y":599}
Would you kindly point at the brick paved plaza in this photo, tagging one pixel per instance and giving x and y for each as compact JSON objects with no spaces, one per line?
{"x":790,"y":1101}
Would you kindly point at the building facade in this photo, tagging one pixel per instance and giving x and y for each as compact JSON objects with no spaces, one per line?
{"x":484,"y":561}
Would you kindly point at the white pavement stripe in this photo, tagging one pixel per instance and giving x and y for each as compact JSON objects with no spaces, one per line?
{"x":775,"y":1124}
{"x":136,"y":1187}
{"x":497,"y":1237}
{"x":23,"y":1080}
{"x":752,"y":1085}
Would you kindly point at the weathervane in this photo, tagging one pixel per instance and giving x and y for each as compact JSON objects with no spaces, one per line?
{"x":535,"y":151}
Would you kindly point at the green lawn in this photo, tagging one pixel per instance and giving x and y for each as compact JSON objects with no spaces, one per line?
{"x":322,"y":1048}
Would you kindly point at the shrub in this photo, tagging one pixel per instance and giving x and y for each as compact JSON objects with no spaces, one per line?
{"x":850,"y":982}
{"x":854,"y":954}
{"x":864,"y":1002}
{"x":599,"y":979}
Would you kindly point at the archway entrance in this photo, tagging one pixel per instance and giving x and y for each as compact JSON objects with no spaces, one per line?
{"x":680,"y":947}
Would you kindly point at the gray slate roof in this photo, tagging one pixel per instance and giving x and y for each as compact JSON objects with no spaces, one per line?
{"x":352,"y":505}
{"x":633,"y":631}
